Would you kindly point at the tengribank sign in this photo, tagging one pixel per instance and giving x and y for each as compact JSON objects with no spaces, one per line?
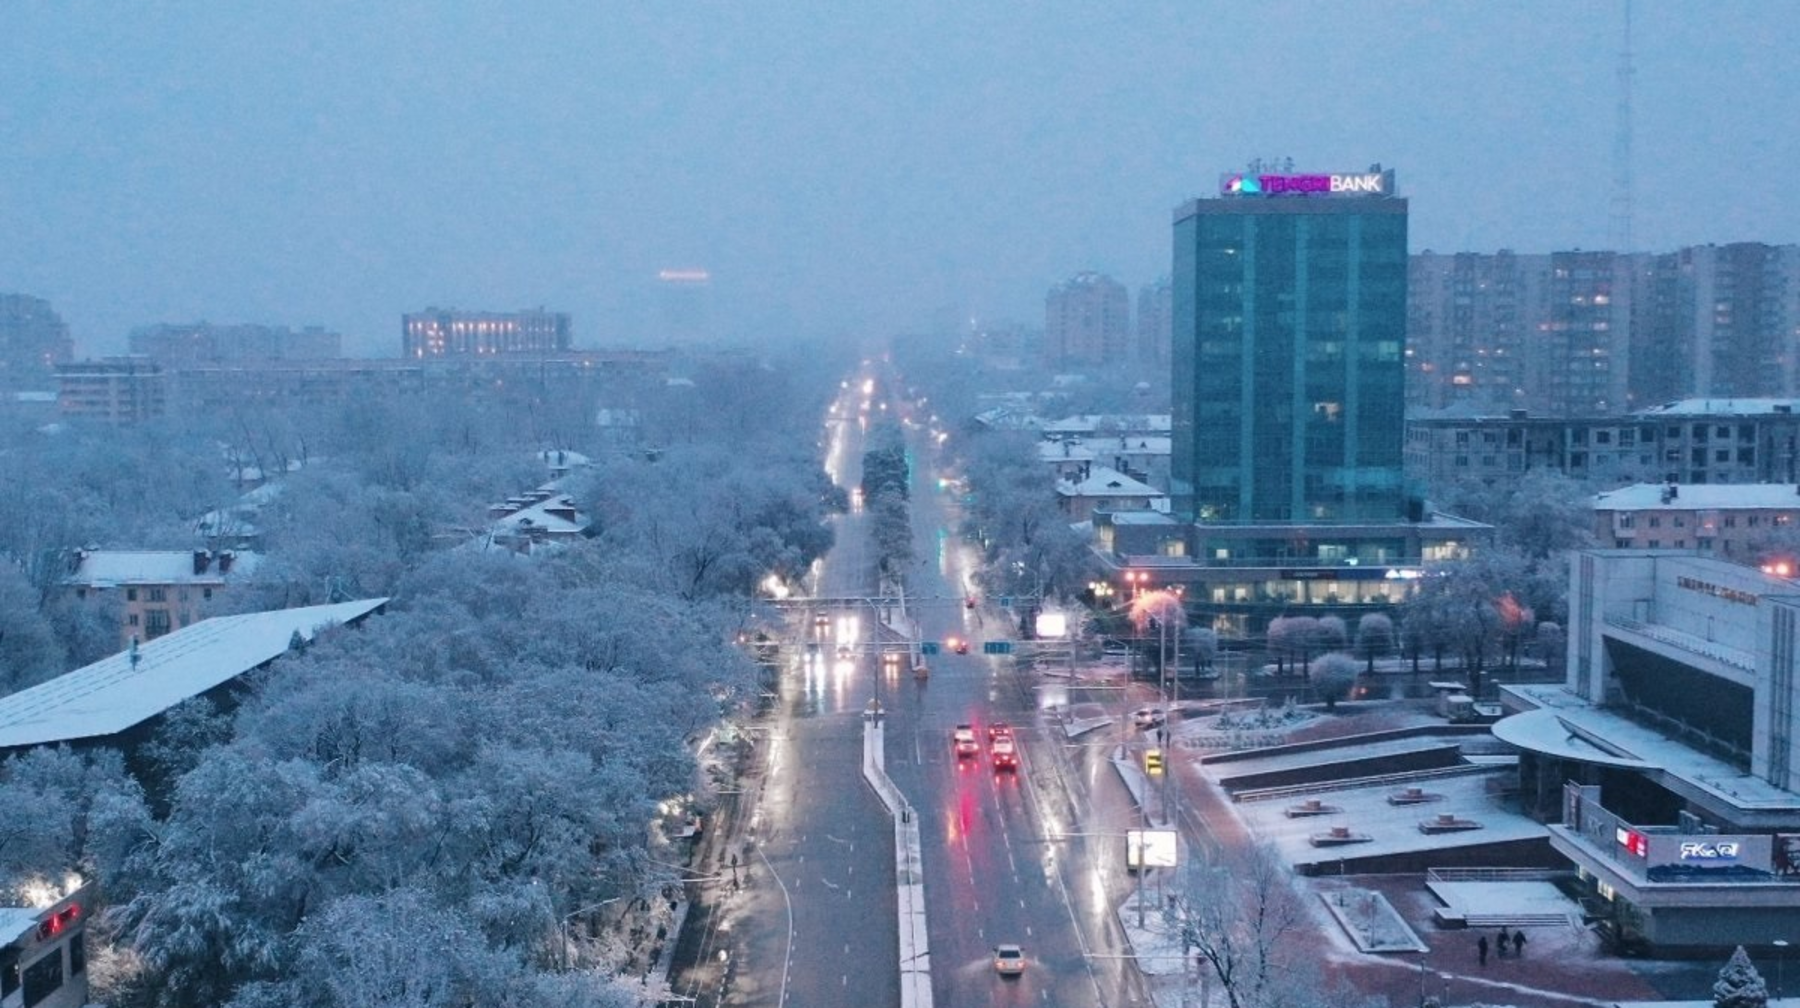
{"x":1377,"y":183}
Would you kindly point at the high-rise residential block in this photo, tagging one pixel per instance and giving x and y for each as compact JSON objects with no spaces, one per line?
{"x":1087,"y":321}
{"x":1570,"y":334}
{"x":1155,"y":323}
{"x":33,"y":340}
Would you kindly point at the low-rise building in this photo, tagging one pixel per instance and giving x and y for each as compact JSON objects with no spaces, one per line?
{"x":1689,"y":441}
{"x":163,"y":590}
{"x":1665,"y":764}
{"x":43,"y":948}
{"x":1099,"y":488}
{"x":1235,"y":577}
{"x":1733,"y":520}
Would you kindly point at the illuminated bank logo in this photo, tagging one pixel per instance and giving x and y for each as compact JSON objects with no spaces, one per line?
{"x":1722,"y":850}
{"x":1359,"y":184}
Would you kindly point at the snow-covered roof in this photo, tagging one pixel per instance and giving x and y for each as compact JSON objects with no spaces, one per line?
{"x":1063,"y":451}
{"x":1103,"y":481}
{"x":1143,"y":518}
{"x":1089,"y":422}
{"x":1568,"y":726}
{"x":16,"y":922}
{"x":1722,"y":407}
{"x":1699,"y":497}
{"x":112,"y":568}
{"x":549,"y":515}
{"x":115,"y":693}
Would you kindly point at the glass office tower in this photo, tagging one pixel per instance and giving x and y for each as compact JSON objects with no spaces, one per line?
{"x":1289,"y":331}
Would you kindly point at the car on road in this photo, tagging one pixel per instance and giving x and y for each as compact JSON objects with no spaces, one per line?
{"x":963,"y":739}
{"x":1147,"y":717}
{"x":999,"y":728}
{"x":959,"y":645}
{"x":1009,"y":960}
{"x":1003,"y":753}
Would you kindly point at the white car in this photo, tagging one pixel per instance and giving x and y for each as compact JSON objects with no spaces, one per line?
{"x":1009,"y":960}
{"x":1147,"y":717}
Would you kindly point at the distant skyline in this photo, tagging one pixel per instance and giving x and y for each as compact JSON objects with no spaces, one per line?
{"x":838,"y":170}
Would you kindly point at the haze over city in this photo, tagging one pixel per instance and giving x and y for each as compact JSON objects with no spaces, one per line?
{"x":837,"y":170}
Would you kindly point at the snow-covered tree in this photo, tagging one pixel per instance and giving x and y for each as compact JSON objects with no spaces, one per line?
{"x":1333,"y":674}
{"x":1374,"y":637}
{"x":29,"y":651}
{"x":1739,"y":984}
{"x":1240,"y":914}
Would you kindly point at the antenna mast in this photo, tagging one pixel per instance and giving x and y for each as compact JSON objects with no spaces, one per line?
{"x":1621,"y":194}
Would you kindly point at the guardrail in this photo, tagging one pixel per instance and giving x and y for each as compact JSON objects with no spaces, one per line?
{"x":909,"y":868}
{"x":1497,"y":874}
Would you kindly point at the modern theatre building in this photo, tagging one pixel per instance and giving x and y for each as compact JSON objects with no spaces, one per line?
{"x":1665,"y":764}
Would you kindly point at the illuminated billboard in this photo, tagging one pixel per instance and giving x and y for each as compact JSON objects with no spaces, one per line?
{"x":1149,"y":848}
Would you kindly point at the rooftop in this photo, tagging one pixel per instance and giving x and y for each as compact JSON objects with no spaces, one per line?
{"x":1721,"y":407}
{"x":1105,"y":482}
{"x":1699,"y":497}
{"x":112,"y":568}
{"x":115,"y":693}
{"x":1565,"y":725}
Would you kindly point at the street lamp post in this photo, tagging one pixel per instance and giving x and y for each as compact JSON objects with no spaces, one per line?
{"x":1781,"y":947}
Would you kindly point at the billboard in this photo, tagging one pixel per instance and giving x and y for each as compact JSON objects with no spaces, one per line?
{"x":1148,"y":848}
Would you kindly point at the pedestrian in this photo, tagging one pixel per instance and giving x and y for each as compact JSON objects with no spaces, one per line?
{"x":1503,"y":942}
{"x":1481,"y":949}
{"x":1519,"y":943}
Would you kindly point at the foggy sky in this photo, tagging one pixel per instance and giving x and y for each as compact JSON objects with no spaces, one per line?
{"x":840,"y":168}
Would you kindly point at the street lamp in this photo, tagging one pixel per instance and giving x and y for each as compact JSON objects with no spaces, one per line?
{"x":1780,"y":966}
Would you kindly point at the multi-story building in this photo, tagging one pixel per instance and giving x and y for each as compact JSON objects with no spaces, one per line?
{"x":1583,"y":333}
{"x":1737,"y":304}
{"x":1666,"y":764}
{"x":164,"y":590}
{"x":1290,"y":320}
{"x":1086,"y":321}
{"x":1286,"y":451}
{"x":177,"y":345}
{"x":1469,"y":328}
{"x":33,"y":341}
{"x":1689,"y":441}
{"x":1581,"y":366}
{"x":118,"y":390}
{"x":1155,"y":323}
{"x":438,"y":332}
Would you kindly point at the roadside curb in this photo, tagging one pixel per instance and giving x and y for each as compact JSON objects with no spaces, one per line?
{"x":909,"y":874}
